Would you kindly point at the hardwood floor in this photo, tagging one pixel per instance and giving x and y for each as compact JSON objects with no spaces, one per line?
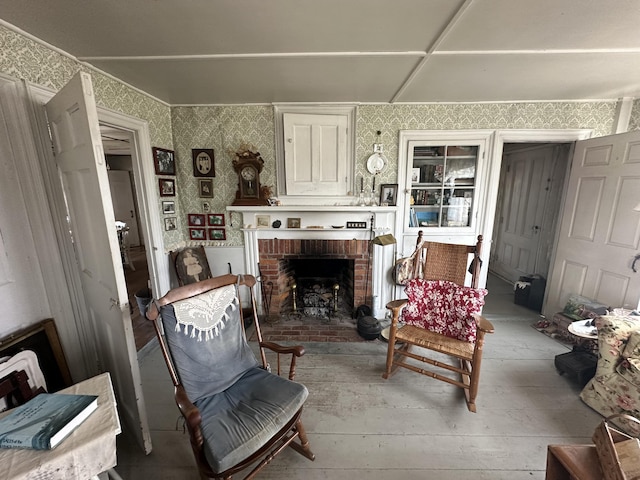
{"x":410,"y":426}
{"x":137,"y":280}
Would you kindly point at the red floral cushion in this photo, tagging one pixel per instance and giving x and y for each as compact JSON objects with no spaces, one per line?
{"x":443,"y":307}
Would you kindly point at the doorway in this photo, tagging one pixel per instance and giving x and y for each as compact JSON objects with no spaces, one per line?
{"x":532,"y":176}
{"x":117,"y":149}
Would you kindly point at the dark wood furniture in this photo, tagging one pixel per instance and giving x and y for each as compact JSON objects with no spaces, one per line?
{"x":291,"y":431}
{"x":441,"y":261}
{"x":573,"y":462}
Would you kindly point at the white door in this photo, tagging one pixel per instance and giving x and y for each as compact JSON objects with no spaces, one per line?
{"x":73,"y":120}
{"x":123,"y":202}
{"x":600,"y":231}
{"x":315,"y":150}
{"x":530,"y":187}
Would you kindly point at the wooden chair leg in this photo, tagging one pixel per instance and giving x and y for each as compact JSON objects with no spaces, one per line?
{"x":302,"y":447}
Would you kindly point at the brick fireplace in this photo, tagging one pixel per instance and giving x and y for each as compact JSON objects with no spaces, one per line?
{"x":276,"y":257}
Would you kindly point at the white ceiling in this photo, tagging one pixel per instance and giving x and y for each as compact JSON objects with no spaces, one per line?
{"x":369,"y":51}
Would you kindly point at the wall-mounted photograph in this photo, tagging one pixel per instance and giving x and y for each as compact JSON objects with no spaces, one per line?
{"x":164,"y":161}
{"x":203,"y":162}
{"x":205,"y":187}
{"x":167,"y":187}
{"x":215,"y":219}
{"x":388,"y":194}
{"x":196,"y":220}
{"x":198,"y":233}
{"x":170,"y":223}
{"x":206,"y":207}
{"x":217,"y":234}
{"x":168,"y":207}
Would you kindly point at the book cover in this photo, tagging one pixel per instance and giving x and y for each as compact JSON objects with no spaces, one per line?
{"x":45,"y":420}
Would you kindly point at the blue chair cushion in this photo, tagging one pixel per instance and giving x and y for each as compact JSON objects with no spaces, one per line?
{"x":240,"y":420}
{"x":206,"y":367}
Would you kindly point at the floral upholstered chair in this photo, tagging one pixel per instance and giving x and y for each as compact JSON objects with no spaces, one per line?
{"x":615,"y":388}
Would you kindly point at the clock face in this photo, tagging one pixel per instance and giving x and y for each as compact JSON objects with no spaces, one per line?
{"x":248,"y":173}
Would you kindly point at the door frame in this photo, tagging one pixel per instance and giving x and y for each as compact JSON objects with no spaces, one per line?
{"x":146,"y":197}
{"x":495,"y":165}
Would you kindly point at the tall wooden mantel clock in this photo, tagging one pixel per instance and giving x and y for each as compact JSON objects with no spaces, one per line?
{"x":248,"y":166}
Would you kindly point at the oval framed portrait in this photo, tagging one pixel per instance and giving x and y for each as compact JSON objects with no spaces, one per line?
{"x":203,"y":162}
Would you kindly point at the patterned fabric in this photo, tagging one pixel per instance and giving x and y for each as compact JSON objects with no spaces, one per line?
{"x":206,"y":312}
{"x":616,"y":385}
{"x":443,"y":307}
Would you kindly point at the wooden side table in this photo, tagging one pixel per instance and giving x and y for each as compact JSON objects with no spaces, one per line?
{"x":573,"y":462}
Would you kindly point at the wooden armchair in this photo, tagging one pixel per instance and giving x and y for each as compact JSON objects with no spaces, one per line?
{"x":237,"y":412}
{"x":441,"y":315}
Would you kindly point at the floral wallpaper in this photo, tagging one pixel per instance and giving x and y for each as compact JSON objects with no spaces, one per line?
{"x":225,"y":128}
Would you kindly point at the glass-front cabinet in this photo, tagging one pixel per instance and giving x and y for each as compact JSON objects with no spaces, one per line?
{"x":441,"y":183}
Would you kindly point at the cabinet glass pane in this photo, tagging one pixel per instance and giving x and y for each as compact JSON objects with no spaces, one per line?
{"x":442,"y":181}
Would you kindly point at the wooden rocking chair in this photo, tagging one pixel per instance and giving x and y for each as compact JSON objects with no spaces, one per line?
{"x":237,"y":412}
{"x":453,"y":328}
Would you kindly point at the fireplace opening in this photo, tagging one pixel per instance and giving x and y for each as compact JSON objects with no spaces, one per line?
{"x":321,"y":287}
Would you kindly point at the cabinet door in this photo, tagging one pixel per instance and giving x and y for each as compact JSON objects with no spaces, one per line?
{"x":315,"y":149}
{"x":442,"y":184}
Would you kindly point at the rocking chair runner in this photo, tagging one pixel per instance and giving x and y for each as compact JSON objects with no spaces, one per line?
{"x":236,"y":411}
{"x":441,"y":315}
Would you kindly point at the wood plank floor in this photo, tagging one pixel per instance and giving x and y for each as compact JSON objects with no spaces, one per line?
{"x":410,"y":426}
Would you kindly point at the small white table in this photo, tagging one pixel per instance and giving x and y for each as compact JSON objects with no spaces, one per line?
{"x":87,"y":452}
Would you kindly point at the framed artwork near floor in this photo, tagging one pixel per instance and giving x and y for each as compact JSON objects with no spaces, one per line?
{"x":191,"y":264}
{"x":217,"y":234}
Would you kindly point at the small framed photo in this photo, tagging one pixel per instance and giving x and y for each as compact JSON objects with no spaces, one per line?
{"x":198,"y":233}
{"x":167,"y":187}
{"x":215,"y":219}
{"x":203,"y":162}
{"x":415,"y":175}
{"x":168,"y":207}
{"x":196,"y":220}
{"x":293,"y":223}
{"x":217,"y":234}
{"x":164,"y":161}
{"x":206,"y":207}
{"x":170,"y":224}
{"x":263,"y":221}
{"x":205,"y":187}
{"x":389,"y":194}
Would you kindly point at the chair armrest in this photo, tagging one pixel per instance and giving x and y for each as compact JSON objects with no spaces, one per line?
{"x":396,"y":304}
{"x":191,"y":415}
{"x":297,"y":350}
{"x":484,"y":324}
{"x":294,"y":351}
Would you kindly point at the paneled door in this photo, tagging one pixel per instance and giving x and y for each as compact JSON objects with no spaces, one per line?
{"x":73,"y":120}
{"x":530,"y":189}
{"x":600,"y":231}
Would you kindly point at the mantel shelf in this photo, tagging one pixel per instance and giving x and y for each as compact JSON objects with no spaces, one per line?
{"x":309,"y":208}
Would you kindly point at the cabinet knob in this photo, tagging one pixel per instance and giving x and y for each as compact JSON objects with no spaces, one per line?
{"x":290,"y":140}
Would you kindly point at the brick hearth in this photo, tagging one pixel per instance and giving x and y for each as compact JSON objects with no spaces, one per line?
{"x":274,"y":254}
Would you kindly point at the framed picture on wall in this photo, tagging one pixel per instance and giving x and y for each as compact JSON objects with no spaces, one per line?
{"x":170,"y":223}
{"x":164,"y":161}
{"x":168,"y":207}
{"x":203,"y":162}
{"x":167,"y":187}
{"x":206,"y":188}
{"x":217,"y":234}
{"x":196,"y":220}
{"x":215,"y":219}
{"x":197,"y":233}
